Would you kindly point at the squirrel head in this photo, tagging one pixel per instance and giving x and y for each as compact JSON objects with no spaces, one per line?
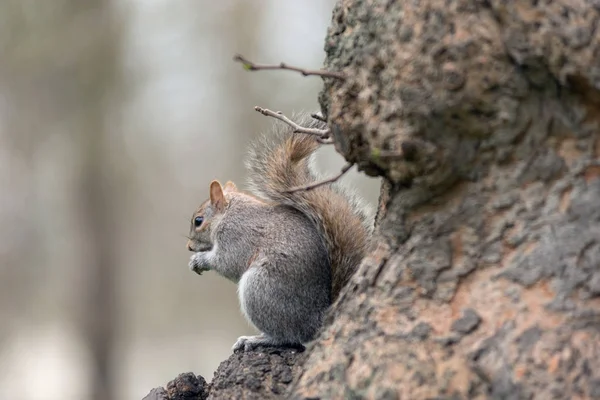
{"x":209,"y":213}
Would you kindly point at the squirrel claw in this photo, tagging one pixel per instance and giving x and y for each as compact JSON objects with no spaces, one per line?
{"x":249,"y":343}
{"x":244,"y":343}
{"x":192,"y":264}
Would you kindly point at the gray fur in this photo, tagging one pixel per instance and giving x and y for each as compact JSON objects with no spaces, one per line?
{"x":279,"y":250}
{"x":257,"y":164}
{"x":282,"y":160}
{"x":288,"y":289}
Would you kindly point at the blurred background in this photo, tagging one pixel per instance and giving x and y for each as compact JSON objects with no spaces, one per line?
{"x":114,"y":117}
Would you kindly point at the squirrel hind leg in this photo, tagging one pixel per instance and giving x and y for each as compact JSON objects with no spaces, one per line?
{"x":250,"y":343}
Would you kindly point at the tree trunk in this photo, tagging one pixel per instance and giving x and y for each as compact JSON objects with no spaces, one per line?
{"x":484,"y":276}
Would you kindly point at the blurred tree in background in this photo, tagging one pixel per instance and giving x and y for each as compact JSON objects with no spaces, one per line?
{"x":114,"y":117}
{"x":59,"y":74}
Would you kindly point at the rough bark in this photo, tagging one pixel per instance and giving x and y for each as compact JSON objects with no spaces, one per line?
{"x":484,"y":278}
{"x":262,"y":374}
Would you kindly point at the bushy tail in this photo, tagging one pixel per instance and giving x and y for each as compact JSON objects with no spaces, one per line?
{"x":281,"y":161}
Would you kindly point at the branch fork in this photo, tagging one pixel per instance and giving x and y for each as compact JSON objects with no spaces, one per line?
{"x":322,"y":135}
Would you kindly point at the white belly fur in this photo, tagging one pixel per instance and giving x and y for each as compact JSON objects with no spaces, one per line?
{"x":242,"y":286}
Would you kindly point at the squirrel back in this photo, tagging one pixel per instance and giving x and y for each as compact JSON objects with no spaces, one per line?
{"x":283,"y":160}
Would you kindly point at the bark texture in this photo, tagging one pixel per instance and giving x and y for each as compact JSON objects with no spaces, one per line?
{"x":484,"y":278}
{"x":262,"y":374}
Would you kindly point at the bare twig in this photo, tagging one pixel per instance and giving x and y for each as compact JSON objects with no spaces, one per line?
{"x":325,"y":141}
{"x":322,"y":134}
{"x":333,"y":179}
{"x":318,"y":117}
{"x":250,"y":66}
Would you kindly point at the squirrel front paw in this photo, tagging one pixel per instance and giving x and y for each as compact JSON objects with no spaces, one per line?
{"x":197,"y":263}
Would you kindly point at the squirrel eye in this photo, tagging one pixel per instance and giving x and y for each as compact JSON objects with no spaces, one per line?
{"x":198,"y":221}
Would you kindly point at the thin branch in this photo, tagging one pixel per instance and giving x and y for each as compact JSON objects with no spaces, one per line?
{"x":325,"y":141}
{"x":318,"y":117}
{"x":320,"y":133}
{"x":333,"y":179}
{"x":250,"y":66}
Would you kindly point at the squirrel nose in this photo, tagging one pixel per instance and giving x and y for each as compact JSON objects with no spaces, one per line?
{"x":189,"y":246}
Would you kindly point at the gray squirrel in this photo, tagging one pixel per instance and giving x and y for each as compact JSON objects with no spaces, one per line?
{"x":289,"y":252}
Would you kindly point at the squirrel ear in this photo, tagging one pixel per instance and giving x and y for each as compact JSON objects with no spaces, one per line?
{"x":230,"y":187}
{"x":217,"y":198}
